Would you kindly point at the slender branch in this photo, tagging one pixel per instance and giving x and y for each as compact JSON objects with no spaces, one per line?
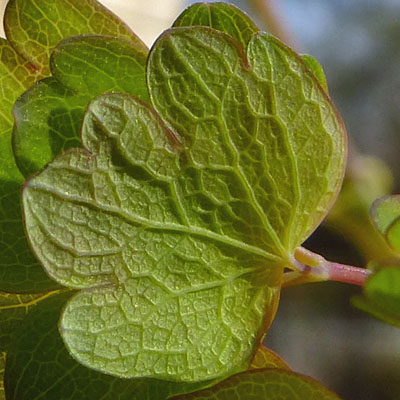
{"x":310,"y":267}
{"x":347,"y":273}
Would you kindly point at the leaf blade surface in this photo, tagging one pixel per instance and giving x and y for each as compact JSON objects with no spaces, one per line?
{"x":278,"y":129}
{"x":382,"y":295}
{"x":114,"y":238}
{"x":223,"y":17}
{"x":265,"y":384}
{"x":179,"y":224}
{"x":48,"y":117}
{"x":19,"y":270}
{"x":34,"y":28}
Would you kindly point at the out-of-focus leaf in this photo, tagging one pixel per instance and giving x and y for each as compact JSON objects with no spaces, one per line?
{"x":34,"y":28}
{"x":266,"y":358}
{"x":367,"y":178}
{"x":19,"y":270}
{"x":264,"y":384}
{"x":48,"y":116}
{"x":13,"y":308}
{"x":385,"y":213}
{"x":2,"y":366}
{"x":382,"y":295}
{"x":316,"y":68}
{"x":222,"y":17}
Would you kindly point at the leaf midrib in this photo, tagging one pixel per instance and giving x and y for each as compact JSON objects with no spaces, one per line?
{"x":190,"y":230}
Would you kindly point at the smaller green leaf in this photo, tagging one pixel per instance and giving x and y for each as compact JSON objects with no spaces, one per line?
{"x":367,"y":178}
{"x":96,"y":64}
{"x":48,"y":116}
{"x":220,"y":16}
{"x":34,"y":28}
{"x":264,"y":384}
{"x":266,"y":358}
{"x":2,"y":366}
{"x":47,"y":121}
{"x":13,"y":308}
{"x":19,"y":270}
{"x":385,"y":213}
{"x":382,"y":295}
{"x":39,"y":365}
{"x":316,"y":68}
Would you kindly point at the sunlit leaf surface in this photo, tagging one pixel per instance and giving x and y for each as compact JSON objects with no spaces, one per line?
{"x":39,"y":367}
{"x":182,"y":222}
{"x":223,"y":17}
{"x":48,"y":117}
{"x":33,"y":29}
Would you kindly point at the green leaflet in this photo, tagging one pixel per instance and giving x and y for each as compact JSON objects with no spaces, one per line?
{"x":47,"y":121}
{"x":368,"y":178}
{"x":266,"y":358}
{"x":39,"y":367}
{"x":97,"y":64}
{"x":246,"y":116}
{"x":382,"y":295}
{"x":264,"y":384}
{"x":182,"y":236}
{"x":19,"y":270}
{"x":385,"y":214}
{"x":231,"y":20}
{"x":182,"y":297}
{"x":34,"y":28}
{"x":48,"y":116}
{"x":223,"y":17}
{"x":316,"y":68}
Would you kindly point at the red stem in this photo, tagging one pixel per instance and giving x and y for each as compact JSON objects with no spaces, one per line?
{"x":347,"y":273}
{"x":311,"y":267}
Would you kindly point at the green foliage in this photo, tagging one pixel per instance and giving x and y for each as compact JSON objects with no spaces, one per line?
{"x":48,"y":117}
{"x":13,"y":308}
{"x":382,"y":295}
{"x":177,"y":216}
{"x":220,"y":16}
{"x":33,"y":29}
{"x":266,"y":384}
{"x":2,"y":366}
{"x":265,"y":358}
{"x":59,"y":376}
{"x":18,"y":268}
{"x":316,"y":68}
{"x":39,"y":366}
{"x":367,"y":178}
{"x":385,"y":213}
{"x":218,"y":247}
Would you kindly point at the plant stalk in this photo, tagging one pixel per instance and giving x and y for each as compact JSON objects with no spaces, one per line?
{"x":310,"y":267}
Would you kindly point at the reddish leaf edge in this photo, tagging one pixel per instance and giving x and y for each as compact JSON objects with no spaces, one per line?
{"x":281,"y":373}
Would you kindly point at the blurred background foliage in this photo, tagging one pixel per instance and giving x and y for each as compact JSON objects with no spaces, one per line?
{"x":317,"y":331}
